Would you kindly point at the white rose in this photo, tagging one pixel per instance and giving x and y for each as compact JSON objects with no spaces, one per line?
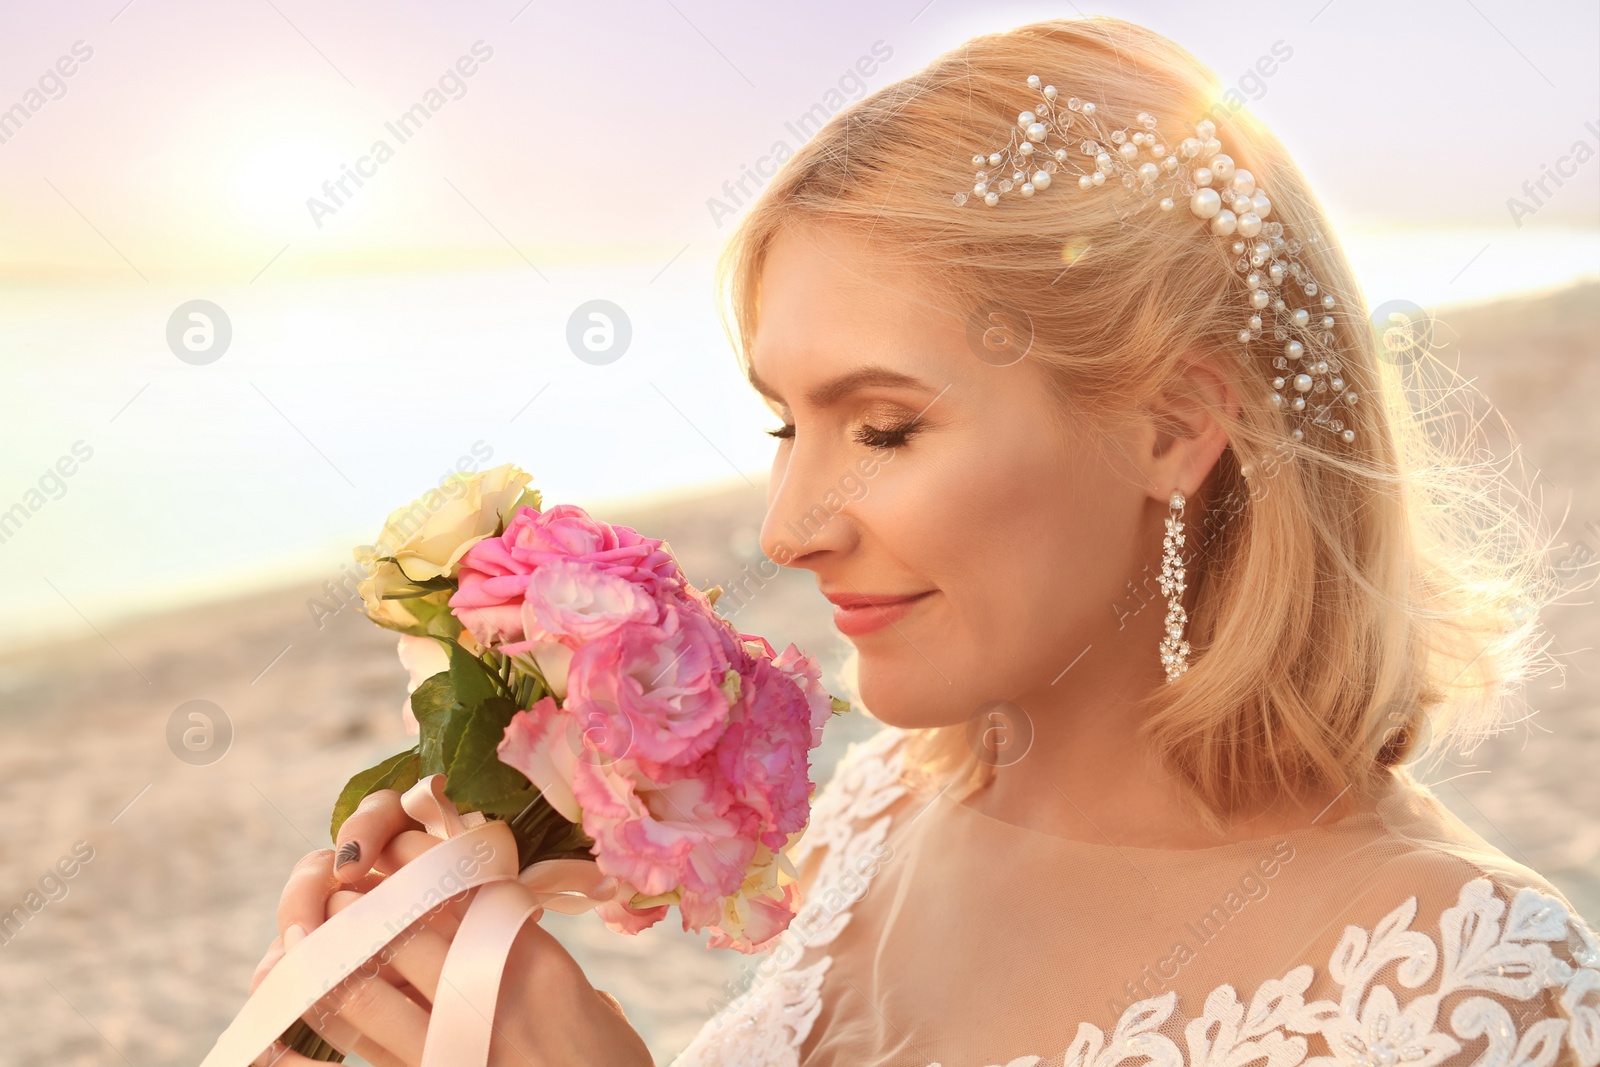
{"x":426,"y":538}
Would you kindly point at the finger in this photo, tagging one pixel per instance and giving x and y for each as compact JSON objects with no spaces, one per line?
{"x":383,"y":1015}
{"x":379,"y":963}
{"x":304,"y":901}
{"x":404,"y":847}
{"x":417,"y":956}
{"x":269,"y":961}
{"x":613,"y":1003}
{"x":379,"y":1056}
{"x":414,"y":958}
{"x":275,"y":952}
{"x":363,"y":836}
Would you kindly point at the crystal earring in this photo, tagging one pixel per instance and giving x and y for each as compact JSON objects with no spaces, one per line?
{"x":1174,"y":649}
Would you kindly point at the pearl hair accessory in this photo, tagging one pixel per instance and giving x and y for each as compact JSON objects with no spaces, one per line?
{"x":1307,"y":383}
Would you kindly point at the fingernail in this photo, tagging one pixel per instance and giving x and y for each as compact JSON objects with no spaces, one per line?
{"x":293,"y":936}
{"x":273,"y":1053}
{"x":348,"y":852}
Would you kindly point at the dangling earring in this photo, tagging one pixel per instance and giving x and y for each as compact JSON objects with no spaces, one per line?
{"x":1174,"y":649}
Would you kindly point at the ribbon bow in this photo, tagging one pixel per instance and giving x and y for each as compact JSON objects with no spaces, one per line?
{"x":475,"y":853}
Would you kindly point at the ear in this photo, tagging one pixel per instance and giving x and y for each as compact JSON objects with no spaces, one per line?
{"x":1185,"y":434}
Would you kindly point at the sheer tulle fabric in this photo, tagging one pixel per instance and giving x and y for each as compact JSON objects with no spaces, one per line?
{"x":935,"y":935}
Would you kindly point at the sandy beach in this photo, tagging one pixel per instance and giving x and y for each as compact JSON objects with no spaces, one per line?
{"x":144,"y":952}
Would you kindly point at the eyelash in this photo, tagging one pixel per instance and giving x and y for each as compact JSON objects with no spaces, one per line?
{"x":871,"y":436}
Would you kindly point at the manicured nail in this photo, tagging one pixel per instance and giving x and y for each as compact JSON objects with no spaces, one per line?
{"x":293,"y":936}
{"x":348,"y":852}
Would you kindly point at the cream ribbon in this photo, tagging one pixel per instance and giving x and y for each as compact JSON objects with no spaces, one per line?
{"x":475,"y":853}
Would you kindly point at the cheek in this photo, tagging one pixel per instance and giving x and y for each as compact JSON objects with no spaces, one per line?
{"x":1026,"y":538}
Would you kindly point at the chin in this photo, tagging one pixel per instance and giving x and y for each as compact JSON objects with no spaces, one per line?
{"x":901,"y":689}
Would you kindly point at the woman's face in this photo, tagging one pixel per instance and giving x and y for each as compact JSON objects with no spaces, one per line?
{"x":997,"y":542}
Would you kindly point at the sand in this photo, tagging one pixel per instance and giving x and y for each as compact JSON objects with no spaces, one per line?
{"x":146,"y":954}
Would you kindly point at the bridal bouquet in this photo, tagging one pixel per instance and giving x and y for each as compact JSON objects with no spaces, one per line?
{"x":567,"y":679}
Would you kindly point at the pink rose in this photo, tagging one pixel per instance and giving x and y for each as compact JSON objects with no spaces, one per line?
{"x":765,"y":753}
{"x":763,"y":646}
{"x":680,"y":746}
{"x":573,"y":602}
{"x":567,"y":531}
{"x":495,"y":573}
{"x":765,"y":919}
{"x":804,"y":671}
{"x":660,"y":686}
{"x":545,"y":744}
{"x":623,"y":918}
{"x":688,"y":835}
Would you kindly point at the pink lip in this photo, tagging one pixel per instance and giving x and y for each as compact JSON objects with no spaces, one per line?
{"x":855,"y":615}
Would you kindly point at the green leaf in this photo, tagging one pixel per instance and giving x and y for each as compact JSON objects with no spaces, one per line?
{"x":474,"y":680}
{"x":462,"y":714}
{"x":400,"y":771}
{"x":434,"y":617}
{"x":451,"y":697}
{"x":840,"y":706}
{"x":477,"y":779}
{"x":433,"y":703}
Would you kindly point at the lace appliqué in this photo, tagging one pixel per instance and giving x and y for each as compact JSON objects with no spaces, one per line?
{"x":1369,"y":1026}
{"x":765,"y":1026}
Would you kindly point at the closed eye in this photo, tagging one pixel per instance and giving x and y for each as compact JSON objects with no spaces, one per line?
{"x":888,"y":438}
{"x":872,"y":436}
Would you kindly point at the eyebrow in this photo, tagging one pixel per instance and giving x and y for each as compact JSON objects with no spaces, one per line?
{"x":842,"y":386}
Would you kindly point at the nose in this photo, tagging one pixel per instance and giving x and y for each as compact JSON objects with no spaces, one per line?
{"x":808,"y":513}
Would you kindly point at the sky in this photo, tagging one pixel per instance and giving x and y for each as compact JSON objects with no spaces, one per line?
{"x":191,"y":137}
{"x":392,"y":310}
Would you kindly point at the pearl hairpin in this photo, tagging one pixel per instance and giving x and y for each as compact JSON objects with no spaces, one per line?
{"x":1307,"y":382}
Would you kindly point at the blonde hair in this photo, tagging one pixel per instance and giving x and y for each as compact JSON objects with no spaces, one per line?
{"x":1344,"y":599}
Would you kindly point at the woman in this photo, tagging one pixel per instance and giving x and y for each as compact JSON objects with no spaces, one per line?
{"x":1157,"y":586}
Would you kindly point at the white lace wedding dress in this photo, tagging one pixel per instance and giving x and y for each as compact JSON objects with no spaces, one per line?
{"x":935,"y":936}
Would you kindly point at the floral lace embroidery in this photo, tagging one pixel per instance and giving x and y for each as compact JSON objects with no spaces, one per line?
{"x":1367,"y":1026}
{"x":764,"y":1027}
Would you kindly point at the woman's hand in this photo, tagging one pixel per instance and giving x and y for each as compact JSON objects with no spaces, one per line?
{"x":548,"y":1014}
